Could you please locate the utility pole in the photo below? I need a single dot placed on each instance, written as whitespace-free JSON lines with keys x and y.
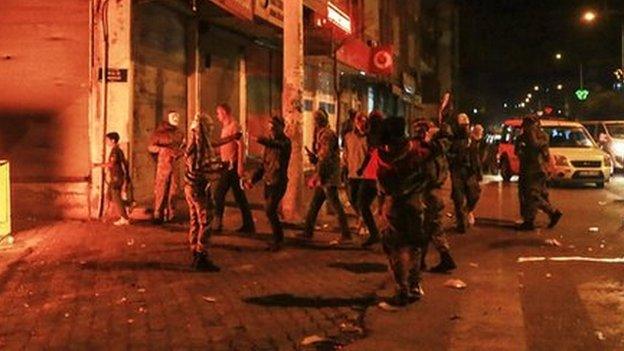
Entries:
{"x":292,"y":104}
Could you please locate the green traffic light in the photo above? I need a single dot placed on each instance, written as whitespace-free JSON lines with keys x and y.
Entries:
{"x":582,"y":94}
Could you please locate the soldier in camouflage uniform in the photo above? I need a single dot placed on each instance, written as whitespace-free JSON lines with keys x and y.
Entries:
{"x":436,"y":142}
{"x":197,"y":157}
{"x":532,"y":149}
{"x":401,"y":178}
{"x":165,"y":144}
{"x":325,"y":156}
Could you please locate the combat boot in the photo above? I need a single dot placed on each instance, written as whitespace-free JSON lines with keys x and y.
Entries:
{"x":416,"y":292}
{"x":402,"y":298}
{"x":446,"y":264}
{"x":201,"y":262}
{"x":526,"y":226}
{"x":554,"y":219}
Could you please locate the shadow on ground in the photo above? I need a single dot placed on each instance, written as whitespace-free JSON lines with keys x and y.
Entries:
{"x":134,"y":266}
{"x":360,"y":267}
{"x":517,"y":242}
{"x":289,"y":300}
{"x":495,"y":222}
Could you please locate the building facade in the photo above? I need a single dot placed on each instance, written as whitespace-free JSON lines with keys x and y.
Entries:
{"x":78,"y":69}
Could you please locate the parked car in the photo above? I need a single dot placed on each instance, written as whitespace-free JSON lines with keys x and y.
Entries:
{"x":577,"y":158}
{"x":610,"y":136}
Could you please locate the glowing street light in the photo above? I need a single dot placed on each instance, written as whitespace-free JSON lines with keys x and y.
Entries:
{"x":536,"y":88}
{"x":559,"y":86}
{"x":558,"y":56}
{"x":527,"y":100}
{"x":589,"y":16}
{"x":522,"y":104}
{"x":529,"y":95}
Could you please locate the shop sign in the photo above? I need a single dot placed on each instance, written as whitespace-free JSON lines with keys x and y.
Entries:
{"x":239,"y":8}
{"x":338,"y":17}
{"x":118,"y":75}
{"x":271,"y":11}
{"x":318,"y":6}
{"x":409,"y":83}
{"x":382,"y":61}
{"x":355,"y":53}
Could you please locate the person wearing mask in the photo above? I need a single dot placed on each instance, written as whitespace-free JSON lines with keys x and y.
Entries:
{"x":165,"y":143}
{"x":197,"y":157}
{"x":232,"y":155}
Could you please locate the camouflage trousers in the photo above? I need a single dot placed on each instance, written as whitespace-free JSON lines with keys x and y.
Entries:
{"x":434,"y":231}
{"x":533,"y":195}
{"x":403,"y":238}
{"x":165,"y":188}
{"x":201,"y":208}
{"x":465,"y":193}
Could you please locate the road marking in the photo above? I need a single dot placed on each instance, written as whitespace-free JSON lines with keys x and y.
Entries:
{"x":570,"y":259}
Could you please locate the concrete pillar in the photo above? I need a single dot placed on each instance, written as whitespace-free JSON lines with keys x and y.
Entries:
{"x":111,"y":101}
{"x":292,"y":104}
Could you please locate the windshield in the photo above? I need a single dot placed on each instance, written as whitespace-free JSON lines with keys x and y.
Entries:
{"x":616,"y":130}
{"x":568,"y":137}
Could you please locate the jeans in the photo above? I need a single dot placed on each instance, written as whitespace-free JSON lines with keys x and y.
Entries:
{"x":229,"y":179}
{"x":273,"y":194}
{"x":329,"y":193}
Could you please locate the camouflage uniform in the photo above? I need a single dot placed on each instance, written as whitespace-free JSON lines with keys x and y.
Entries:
{"x":401,"y":178}
{"x":165,"y":143}
{"x":465,"y":176}
{"x":197,"y":157}
{"x":436,"y":167}
{"x":532,"y":149}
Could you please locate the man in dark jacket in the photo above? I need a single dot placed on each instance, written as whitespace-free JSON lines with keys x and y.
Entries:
{"x":326,"y":179}
{"x":274,"y":173}
{"x":532,"y":149}
{"x":401,"y":177}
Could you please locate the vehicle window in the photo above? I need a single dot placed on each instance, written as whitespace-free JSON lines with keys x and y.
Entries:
{"x":616,"y":130}
{"x":600,"y":128}
{"x":592,"y":129}
{"x":569,"y":137}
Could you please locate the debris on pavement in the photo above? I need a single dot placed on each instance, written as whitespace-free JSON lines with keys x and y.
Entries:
{"x":122,"y":300}
{"x":209,"y":299}
{"x":244,"y":268}
{"x":552,"y":242}
{"x":348,"y":327}
{"x":141,"y":290}
{"x":600,"y":335}
{"x":602,"y":203}
{"x":455,"y":317}
{"x":130,"y":321}
{"x":594,"y":229}
{"x":455,"y":283}
{"x":388,"y":307}
{"x":548,"y":275}
{"x":66,"y":315}
{"x":473,"y":265}
{"x":312,"y":339}
{"x":130,"y":242}
{"x":142,"y":310}
{"x":449,"y":215}
{"x":590,"y":249}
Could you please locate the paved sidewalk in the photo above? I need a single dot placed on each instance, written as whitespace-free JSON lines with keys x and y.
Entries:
{"x":88,"y":285}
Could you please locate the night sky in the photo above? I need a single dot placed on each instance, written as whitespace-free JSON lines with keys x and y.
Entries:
{"x":508,"y":46}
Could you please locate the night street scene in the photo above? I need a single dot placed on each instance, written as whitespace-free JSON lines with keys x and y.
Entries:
{"x":312,"y":175}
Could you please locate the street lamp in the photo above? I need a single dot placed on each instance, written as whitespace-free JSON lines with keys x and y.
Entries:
{"x":529,"y":95}
{"x":589,"y":16}
{"x":536,"y":88}
{"x":558,"y":56}
{"x":559,"y":86}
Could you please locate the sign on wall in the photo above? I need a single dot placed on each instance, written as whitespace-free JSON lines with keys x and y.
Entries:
{"x":118,"y":75}
{"x":239,"y":8}
{"x":271,"y":11}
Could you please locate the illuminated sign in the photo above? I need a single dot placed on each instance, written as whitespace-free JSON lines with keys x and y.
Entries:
{"x":338,"y":17}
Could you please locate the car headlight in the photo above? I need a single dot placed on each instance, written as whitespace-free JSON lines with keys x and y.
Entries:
{"x":561,"y":160}
{"x":618,"y":147}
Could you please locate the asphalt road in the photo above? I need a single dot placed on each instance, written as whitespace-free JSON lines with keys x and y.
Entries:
{"x":507,"y":305}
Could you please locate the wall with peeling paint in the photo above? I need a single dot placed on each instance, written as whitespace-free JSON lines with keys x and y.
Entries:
{"x":160,"y":84}
{"x":44,"y":60}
